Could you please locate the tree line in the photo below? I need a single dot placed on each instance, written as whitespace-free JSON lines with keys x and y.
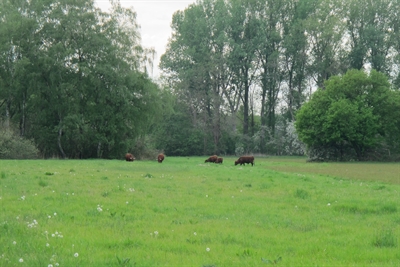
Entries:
{"x":73,"y":78}
{"x":235,"y":78}
{"x":242,"y":69}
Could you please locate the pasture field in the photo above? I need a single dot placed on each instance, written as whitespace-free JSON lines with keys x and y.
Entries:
{"x":184,"y":212}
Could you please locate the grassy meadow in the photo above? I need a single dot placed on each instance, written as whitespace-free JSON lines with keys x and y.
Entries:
{"x":184,"y":212}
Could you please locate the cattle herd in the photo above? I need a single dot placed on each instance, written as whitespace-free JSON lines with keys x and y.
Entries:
{"x":243,"y":160}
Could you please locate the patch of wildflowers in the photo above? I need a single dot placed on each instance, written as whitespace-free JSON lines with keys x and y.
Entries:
{"x":33,"y":224}
{"x":56,"y":234}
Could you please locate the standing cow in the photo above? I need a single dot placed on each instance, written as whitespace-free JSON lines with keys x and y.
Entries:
{"x":129,"y":157}
{"x":219,"y":160}
{"x":211,"y":159}
{"x":160,"y":158}
{"x":245,"y":159}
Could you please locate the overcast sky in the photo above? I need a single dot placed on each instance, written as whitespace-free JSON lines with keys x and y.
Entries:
{"x":154,"y":18}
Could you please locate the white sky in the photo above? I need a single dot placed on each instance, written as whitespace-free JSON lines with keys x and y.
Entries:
{"x":154,"y":18}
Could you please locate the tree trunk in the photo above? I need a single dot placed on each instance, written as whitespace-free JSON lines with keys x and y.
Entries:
{"x":246,"y":104}
{"x":99,"y":150}
{"x":22,"y":122}
{"x":59,"y":143}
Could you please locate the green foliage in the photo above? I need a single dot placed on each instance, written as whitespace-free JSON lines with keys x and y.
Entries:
{"x":350,"y":118}
{"x":13,"y":146}
{"x":74,"y":78}
{"x":73,"y":81}
{"x":223,"y":54}
{"x":176,"y":136}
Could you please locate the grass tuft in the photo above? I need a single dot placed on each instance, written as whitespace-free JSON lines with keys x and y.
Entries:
{"x":3,"y":175}
{"x":266,"y":261}
{"x":385,"y":239}
{"x":124,"y":262}
{"x":389,"y":208}
{"x":353,"y":209}
{"x":43,"y":183}
{"x":300,"y":193}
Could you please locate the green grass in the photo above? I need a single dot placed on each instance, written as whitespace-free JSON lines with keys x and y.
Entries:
{"x":183,"y":212}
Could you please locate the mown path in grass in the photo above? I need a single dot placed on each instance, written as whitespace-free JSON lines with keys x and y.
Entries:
{"x":363,"y":171}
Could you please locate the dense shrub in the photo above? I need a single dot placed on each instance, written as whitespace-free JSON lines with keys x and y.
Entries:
{"x":144,"y":149}
{"x":356,"y":117}
{"x":13,"y":146}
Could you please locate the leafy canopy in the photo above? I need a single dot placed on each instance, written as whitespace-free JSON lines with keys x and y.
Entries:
{"x":350,"y":118}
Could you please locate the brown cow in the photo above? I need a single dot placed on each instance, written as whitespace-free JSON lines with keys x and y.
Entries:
{"x":219,"y":160}
{"x":245,"y":159}
{"x":129,"y":157}
{"x":160,"y":158}
{"x":211,"y":159}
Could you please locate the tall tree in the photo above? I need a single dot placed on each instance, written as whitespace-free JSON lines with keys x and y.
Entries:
{"x":18,"y":43}
{"x":295,"y":57}
{"x":81,"y":89}
{"x":242,"y":33}
{"x":325,"y":32}
{"x":268,"y":51}
{"x":369,"y":24}
{"x":197,"y":61}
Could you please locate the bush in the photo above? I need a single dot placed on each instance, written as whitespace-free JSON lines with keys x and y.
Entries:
{"x":13,"y":146}
{"x":143,"y":149}
{"x":356,"y":117}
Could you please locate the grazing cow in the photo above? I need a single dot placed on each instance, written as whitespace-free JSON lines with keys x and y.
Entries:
{"x":129,"y":157}
{"x":219,"y":160}
{"x":245,"y":159}
{"x":160,"y":158}
{"x":211,"y":159}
